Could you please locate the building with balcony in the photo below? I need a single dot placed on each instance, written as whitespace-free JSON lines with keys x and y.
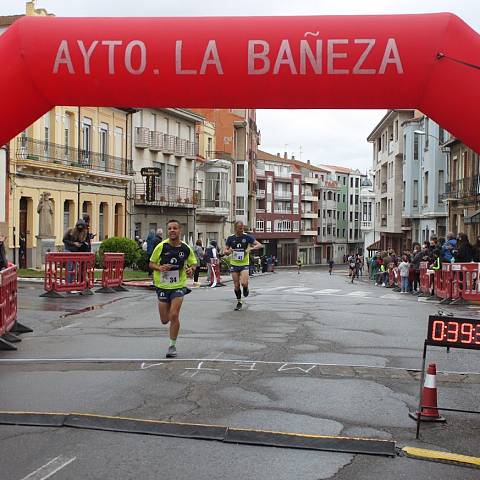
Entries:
{"x":462,"y":191}
{"x":368,"y":233}
{"x":164,"y":139}
{"x":278,"y":207}
{"x":79,"y":155}
{"x":329,"y":198}
{"x":214,"y":211}
{"x":237,"y":134}
{"x":424,"y":209}
{"x":387,"y":141}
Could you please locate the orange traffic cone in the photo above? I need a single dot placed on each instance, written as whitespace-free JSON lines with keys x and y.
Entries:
{"x":428,"y":401}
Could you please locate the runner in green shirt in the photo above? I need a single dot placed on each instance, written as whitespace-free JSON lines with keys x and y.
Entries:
{"x":172,"y":261}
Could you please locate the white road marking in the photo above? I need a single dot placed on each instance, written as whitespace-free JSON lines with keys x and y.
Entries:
{"x":70,"y":326}
{"x":358,"y":294}
{"x":50,"y":468}
{"x":299,"y":289}
{"x":327,"y":291}
{"x":103,"y":315}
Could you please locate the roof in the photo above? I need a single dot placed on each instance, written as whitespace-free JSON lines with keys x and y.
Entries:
{"x":7,"y":20}
{"x":381,"y":124}
{"x":262,"y":155}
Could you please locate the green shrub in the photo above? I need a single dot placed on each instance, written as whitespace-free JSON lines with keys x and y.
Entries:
{"x":143,"y":261}
{"x":132,"y":251}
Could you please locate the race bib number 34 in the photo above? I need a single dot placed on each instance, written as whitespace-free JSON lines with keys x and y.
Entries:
{"x":238,"y":255}
{"x":171,"y":276}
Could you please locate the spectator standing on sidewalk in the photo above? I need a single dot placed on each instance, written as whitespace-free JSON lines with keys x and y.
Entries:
{"x":464,"y":252}
{"x":211,"y":252}
{"x":199,"y":254}
{"x":404,"y":268}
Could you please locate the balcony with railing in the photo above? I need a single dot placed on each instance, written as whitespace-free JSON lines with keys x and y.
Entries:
{"x":162,"y":142}
{"x":366,"y":225}
{"x":463,"y":188}
{"x":260,"y":194}
{"x":218,"y":208}
{"x":31,"y":150}
{"x":167,"y":196}
{"x":286,"y":211}
{"x":282,"y":195}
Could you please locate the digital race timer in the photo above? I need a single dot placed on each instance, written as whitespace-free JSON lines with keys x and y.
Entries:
{"x":453,"y":332}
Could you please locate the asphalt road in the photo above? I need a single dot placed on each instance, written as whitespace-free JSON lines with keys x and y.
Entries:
{"x":310,"y":353}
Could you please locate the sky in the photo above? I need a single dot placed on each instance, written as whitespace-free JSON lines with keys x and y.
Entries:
{"x":335,"y":137}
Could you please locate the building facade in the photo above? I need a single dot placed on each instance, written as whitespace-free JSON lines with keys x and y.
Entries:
{"x":425,"y":174}
{"x":164,"y":139}
{"x":214,"y":214}
{"x":367,"y":223}
{"x":80,"y":157}
{"x":278,"y":207}
{"x":462,"y":191}
{"x":387,"y":141}
{"x":237,"y":137}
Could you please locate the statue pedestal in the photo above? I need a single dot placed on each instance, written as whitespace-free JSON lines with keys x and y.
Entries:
{"x":44,"y":245}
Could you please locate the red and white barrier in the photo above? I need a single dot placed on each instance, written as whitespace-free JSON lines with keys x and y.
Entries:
{"x":112,"y":274}
{"x":68,"y":272}
{"x":8,"y":309}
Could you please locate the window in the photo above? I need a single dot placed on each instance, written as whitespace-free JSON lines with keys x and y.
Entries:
{"x":103,"y":142}
{"x":338,"y":232}
{"x":260,"y":225}
{"x":102,"y":221}
{"x":324,"y":231}
{"x":283,"y":226}
{"x":415,"y":147}
{"x":118,"y":142}
{"x":209,"y":146}
{"x":403,"y":192}
{"x":216,"y":188}
{"x":296,"y":226}
{"x":441,"y":185}
{"x":356,"y":199}
{"x":343,"y":216}
{"x":344,"y":180}
{"x":167,"y":125}
{"x":343,"y":232}
{"x":344,"y":198}
{"x":351,"y":199}
{"x":356,"y":182}
{"x":138,"y":230}
{"x":240,"y":177}
{"x":47,"y":131}
{"x":425,"y":189}
{"x":178,"y":129}
{"x":396,"y":130}
{"x":351,"y":182}
{"x":351,"y":216}
{"x":240,"y":206}
{"x":295,"y":207}
{"x":356,"y":216}
{"x":189,"y":129}
{"x":350,"y":233}
{"x":67,"y":204}
{"x":212,"y":236}
{"x":269,"y":226}
{"x":87,"y":139}
{"x":171,"y":175}
{"x":415,"y":193}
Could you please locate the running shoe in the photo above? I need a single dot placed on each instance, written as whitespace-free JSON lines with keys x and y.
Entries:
{"x":246,"y":291}
{"x":239,"y":306}
{"x":172,"y":352}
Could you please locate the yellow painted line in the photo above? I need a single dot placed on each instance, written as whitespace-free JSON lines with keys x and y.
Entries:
{"x":441,"y":456}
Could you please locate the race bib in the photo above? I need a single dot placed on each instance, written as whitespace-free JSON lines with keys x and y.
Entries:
{"x":238,"y":255}
{"x":171,"y":276}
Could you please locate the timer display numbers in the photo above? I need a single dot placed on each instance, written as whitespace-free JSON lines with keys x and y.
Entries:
{"x":453,"y":332}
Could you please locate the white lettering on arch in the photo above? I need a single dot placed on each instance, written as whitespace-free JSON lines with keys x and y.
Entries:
{"x":211,"y":58}
{"x":391,"y":56}
{"x":143,"y":57}
{"x":315,"y":59}
{"x":357,"y":69}
{"x":63,"y":58}
{"x":262,"y":55}
{"x":284,"y":57}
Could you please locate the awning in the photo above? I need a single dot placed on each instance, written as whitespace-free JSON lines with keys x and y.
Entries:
{"x":374,"y":246}
{"x":474,"y":218}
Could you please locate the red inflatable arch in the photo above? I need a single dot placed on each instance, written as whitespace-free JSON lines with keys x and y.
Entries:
{"x":394,"y":61}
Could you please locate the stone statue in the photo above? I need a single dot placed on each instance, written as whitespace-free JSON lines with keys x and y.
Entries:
{"x":45,"y":212}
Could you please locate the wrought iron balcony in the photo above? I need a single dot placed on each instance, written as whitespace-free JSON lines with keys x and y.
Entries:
{"x":29,"y":149}
{"x":463,"y":188}
{"x":167,"y":196}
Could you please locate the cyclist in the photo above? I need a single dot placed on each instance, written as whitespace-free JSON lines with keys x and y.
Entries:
{"x":239,"y":247}
{"x":171,"y":262}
